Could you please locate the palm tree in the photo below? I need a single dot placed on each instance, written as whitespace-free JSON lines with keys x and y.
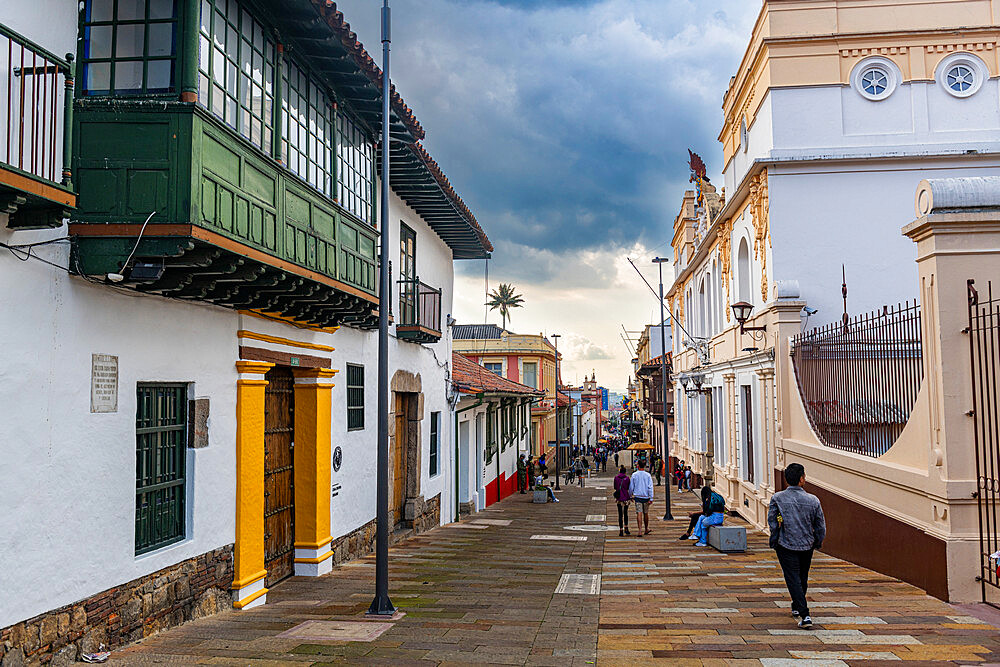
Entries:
{"x":504,"y":298}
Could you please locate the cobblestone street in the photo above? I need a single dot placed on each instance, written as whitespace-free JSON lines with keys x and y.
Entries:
{"x":486,"y":591}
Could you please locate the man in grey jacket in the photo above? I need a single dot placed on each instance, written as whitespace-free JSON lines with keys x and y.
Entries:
{"x":797,"y":528}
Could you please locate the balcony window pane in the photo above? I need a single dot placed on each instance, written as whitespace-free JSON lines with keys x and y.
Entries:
{"x":98,"y":77}
{"x":99,"y":42}
{"x":101,"y":10}
{"x":128,"y":75}
{"x":159,"y":74}
{"x":131,"y":10}
{"x":161,"y":9}
{"x":355,"y":168}
{"x":161,"y":39}
{"x":129,"y":41}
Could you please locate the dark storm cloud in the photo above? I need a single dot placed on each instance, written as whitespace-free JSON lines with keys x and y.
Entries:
{"x":565,"y":124}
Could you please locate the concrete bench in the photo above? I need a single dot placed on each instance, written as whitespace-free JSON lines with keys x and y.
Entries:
{"x":728,"y":539}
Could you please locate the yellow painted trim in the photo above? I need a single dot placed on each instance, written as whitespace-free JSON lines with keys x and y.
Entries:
{"x":248,"y":554}
{"x":329,"y":554}
{"x":243,"y":603}
{"x":313,"y":450}
{"x":287,"y":320}
{"x":282,"y":341}
{"x":260,"y":367}
{"x":313,"y":545}
{"x":246,"y":581}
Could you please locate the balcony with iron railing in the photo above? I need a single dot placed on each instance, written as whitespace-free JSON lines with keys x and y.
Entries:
{"x":36,"y":190}
{"x":419,"y":312}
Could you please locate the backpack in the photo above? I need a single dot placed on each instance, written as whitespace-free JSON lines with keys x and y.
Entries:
{"x":716,"y":503}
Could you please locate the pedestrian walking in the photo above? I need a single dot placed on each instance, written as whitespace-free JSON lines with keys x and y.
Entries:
{"x":522,"y":474}
{"x":622,"y":499}
{"x":616,"y":459}
{"x":641,"y":489}
{"x":658,"y":467}
{"x":529,"y":465}
{"x":798,"y":526}
{"x":687,"y":478}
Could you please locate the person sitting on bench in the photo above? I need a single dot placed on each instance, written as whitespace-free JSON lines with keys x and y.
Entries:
{"x":706,"y":496}
{"x":716,"y":515}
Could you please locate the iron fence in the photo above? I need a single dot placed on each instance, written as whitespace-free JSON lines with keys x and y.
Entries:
{"x":984,"y":339}
{"x":859,"y":379}
{"x":34,"y":121}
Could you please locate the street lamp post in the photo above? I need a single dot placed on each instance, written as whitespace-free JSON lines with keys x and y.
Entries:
{"x":556,"y":338}
{"x":667,"y":516}
{"x":382,"y":605}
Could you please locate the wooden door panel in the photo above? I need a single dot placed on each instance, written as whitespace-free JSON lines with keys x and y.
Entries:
{"x":399,"y":460}
{"x":279,"y":490}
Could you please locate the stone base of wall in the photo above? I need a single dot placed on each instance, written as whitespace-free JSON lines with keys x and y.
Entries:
{"x":361,"y":541}
{"x":191,"y":589}
{"x":466,"y":509}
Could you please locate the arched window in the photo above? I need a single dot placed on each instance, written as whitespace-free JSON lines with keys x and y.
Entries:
{"x":743,"y":272}
{"x":702,"y":310}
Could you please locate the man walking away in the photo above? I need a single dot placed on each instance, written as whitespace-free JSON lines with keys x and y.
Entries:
{"x":641,"y":489}
{"x":622,"y":498}
{"x":798,"y":526}
{"x":522,"y":474}
{"x":658,"y":467}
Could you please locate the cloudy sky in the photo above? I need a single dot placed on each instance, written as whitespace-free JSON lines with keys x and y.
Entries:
{"x":564,"y":125}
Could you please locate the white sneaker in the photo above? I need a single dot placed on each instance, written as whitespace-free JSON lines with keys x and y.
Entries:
{"x":693,"y":537}
{"x":806,"y":623}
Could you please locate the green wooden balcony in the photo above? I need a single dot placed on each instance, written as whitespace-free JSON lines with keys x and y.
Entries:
{"x":229,"y":225}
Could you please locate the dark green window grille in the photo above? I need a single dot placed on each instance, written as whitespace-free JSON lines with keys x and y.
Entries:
{"x":491,"y":435}
{"x":129,"y":47}
{"x":435,"y":442}
{"x":355,"y":397}
{"x":160,"y":444}
{"x":236,"y":70}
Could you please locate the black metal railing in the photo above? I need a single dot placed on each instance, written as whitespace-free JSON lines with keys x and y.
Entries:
{"x":859,"y":379}
{"x":419,"y":307}
{"x":36,"y":118}
{"x":984,"y":341}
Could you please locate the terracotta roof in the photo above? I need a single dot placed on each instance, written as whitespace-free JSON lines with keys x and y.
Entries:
{"x":470,"y":378}
{"x":563,"y":399}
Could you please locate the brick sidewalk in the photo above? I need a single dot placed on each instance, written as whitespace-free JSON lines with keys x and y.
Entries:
{"x":484,"y":591}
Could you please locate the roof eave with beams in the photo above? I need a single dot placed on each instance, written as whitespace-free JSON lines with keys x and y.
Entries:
{"x":317,"y":30}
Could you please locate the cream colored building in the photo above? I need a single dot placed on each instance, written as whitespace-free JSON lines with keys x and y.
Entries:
{"x":838,"y":110}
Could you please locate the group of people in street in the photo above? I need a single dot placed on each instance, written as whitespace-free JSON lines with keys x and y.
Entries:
{"x":795,"y":517}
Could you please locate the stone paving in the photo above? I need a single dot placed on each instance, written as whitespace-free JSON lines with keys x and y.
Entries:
{"x":508,"y":587}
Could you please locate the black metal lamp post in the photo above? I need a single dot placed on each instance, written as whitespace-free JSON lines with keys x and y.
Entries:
{"x":667,"y":516}
{"x":556,"y":338}
{"x":382,"y":605}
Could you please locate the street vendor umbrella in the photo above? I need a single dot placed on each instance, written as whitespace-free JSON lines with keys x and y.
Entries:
{"x":640,"y":446}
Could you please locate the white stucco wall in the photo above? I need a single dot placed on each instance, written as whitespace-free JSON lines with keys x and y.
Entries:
{"x":68,"y":491}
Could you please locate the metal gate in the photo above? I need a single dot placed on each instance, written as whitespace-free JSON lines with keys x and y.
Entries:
{"x":279,"y":490}
{"x":984,"y":338}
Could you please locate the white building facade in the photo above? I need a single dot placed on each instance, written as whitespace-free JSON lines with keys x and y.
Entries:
{"x":173,"y":336}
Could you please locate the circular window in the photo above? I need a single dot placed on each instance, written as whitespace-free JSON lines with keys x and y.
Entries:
{"x":962,"y":74}
{"x":875,"y":81}
{"x":961,"y":78}
{"x":875,"y":78}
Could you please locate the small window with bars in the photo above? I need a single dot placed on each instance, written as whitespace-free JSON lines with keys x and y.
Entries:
{"x":160,"y":451}
{"x":435,"y":466}
{"x":129,"y":46}
{"x":236,"y":70}
{"x":355,"y":397}
{"x":355,"y":168}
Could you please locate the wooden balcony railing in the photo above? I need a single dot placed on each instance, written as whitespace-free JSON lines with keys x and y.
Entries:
{"x":36,"y":117}
{"x":419,"y":312}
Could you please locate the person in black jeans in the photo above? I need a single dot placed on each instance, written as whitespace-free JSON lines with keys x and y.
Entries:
{"x":622,"y":499}
{"x":797,"y":528}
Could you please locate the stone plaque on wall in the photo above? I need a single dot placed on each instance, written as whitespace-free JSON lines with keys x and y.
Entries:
{"x":198,"y":423}
{"x":103,"y":383}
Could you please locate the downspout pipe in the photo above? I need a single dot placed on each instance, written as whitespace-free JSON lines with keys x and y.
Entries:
{"x":479,"y":402}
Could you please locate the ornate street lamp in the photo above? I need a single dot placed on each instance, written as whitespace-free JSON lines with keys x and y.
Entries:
{"x":741,"y":311}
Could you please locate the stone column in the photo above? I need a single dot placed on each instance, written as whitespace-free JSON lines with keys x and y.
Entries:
{"x":248,"y":554}
{"x":313,"y":392}
{"x":787,"y":323}
{"x":958,"y":239}
{"x":732,"y":437}
{"x":766,"y":376}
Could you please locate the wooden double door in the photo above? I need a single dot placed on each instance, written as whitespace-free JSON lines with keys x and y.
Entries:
{"x":403,"y":449}
{"x":279,"y":475}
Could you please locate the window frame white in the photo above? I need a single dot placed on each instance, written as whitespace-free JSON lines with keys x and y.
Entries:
{"x":969,"y":60}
